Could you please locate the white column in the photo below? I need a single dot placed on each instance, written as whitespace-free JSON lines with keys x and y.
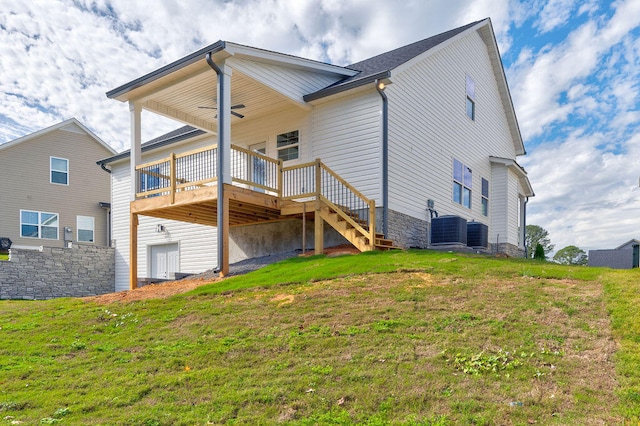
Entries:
{"x":224,"y":121}
{"x":136,"y":141}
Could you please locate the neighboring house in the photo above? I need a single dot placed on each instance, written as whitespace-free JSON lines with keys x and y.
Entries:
{"x":626,"y":256}
{"x":52,"y":192}
{"x":409,"y":142}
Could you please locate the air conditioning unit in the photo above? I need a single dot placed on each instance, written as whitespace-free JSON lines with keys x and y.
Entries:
{"x":477,"y":235}
{"x":448,"y":230}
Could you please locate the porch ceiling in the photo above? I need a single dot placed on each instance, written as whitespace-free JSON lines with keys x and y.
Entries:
{"x":182,"y":93}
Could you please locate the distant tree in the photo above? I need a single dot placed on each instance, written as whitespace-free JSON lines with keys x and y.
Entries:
{"x":538,"y":253}
{"x":571,"y":255}
{"x":537,"y":235}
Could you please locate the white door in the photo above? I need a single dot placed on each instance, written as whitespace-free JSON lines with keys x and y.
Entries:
{"x":165,"y":260}
{"x":258,"y":167}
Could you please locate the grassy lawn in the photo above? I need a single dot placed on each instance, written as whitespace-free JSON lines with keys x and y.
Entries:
{"x":416,"y":338}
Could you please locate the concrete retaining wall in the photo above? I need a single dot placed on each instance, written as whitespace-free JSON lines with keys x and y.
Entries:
{"x":83,"y":270}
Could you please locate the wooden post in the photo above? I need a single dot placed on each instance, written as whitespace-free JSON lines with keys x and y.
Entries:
{"x":372,"y":224}
{"x":133,"y":251}
{"x":319,"y":222}
{"x":280,"y":188}
{"x":172,"y":176}
{"x":224,"y":236}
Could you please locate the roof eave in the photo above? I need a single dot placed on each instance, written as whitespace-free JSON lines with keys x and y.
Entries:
{"x":169,"y":141}
{"x":335,"y":89}
{"x":166,"y":70}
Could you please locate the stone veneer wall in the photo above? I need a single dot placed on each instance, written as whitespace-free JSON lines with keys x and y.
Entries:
{"x":407,"y":231}
{"x":83,"y":270}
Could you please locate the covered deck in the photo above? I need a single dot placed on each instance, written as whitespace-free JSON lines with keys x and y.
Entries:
{"x":184,"y":187}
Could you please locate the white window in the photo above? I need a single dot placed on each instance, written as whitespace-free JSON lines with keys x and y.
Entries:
{"x":288,"y":146}
{"x":38,"y":225}
{"x":462,"y":180}
{"x":59,"y":171}
{"x":86,"y":226}
{"x":485,"y":197}
{"x":471,"y":98}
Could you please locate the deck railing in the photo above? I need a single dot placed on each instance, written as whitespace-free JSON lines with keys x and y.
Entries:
{"x":304,"y":182}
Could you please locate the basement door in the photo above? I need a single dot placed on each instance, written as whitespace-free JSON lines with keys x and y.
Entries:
{"x":164,"y":260}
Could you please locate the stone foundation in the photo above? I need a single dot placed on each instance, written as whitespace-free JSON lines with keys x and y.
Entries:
{"x":83,"y":270}
{"x":405,"y":231}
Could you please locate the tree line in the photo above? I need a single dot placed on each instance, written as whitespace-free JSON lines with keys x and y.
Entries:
{"x":538,"y":246}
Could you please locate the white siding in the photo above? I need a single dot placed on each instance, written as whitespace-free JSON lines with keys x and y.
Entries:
{"x":198,"y":247}
{"x":293,"y":83}
{"x":499,"y":202}
{"x":429,"y":128}
{"x":347,"y":137}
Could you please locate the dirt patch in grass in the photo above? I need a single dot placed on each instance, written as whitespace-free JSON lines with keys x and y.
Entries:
{"x":168,"y":289}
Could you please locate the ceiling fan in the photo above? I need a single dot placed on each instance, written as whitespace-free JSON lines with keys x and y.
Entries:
{"x":238,"y":106}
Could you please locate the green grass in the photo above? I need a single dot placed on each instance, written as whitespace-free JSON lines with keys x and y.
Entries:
{"x":415,"y":338}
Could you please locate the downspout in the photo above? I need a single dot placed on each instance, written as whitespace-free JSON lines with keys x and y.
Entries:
{"x":385,"y":157}
{"x":524,"y":227}
{"x":103,"y":167}
{"x":220,"y":159}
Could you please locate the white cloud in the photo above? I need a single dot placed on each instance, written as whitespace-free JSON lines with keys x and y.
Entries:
{"x":589,"y":197}
{"x":59,"y":57}
{"x":554,"y":14}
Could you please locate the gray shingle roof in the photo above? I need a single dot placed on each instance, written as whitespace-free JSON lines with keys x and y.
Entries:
{"x":177,"y":135}
{"x":381,"y":65}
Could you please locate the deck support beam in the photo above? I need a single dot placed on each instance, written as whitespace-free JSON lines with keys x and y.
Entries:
{"x":133,"y":251}
{"x":223,"y":73}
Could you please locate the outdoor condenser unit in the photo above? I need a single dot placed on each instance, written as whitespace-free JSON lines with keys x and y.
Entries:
{"x":448,"y":230}
{"x":477,"y":235}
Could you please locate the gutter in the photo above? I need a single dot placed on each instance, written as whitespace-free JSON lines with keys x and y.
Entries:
{"x":385,"y":158}
{"x":338,"y":88}
{"x":166,"y":70}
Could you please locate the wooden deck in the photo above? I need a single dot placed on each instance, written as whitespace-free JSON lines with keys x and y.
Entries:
{"x":184,"y":188}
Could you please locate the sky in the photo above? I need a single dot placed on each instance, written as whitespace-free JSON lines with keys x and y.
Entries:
{"x":573,"y":69}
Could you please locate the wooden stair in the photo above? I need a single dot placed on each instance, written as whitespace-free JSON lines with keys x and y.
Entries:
{"x":353,"y":228}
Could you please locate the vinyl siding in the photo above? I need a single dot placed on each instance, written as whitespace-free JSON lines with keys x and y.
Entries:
{"x":291,"y":82}
{"x":347,"y":137}
{"x":25,"y":168}
{"x":197,"y":243}
{"x":429,"y":128}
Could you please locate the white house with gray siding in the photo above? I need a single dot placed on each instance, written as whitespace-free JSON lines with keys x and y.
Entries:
{"x":415,"y":136}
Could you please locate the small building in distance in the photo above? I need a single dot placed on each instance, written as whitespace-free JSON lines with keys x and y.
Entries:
{"x":626,"y":256}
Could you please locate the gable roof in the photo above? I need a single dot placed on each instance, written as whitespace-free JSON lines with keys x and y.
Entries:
{"x":177,"y":135}
{"x":629,"y":243}
{"x":61,"y":125}
{"x":380,"y":66}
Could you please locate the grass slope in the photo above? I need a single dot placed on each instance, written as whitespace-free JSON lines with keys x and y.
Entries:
{"x":417,"y":338}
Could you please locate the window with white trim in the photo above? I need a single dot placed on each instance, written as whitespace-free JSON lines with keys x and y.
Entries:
{"x":86,"y":227}
{"x":471,"y":98}
{"x":288,"y":145}
{"x":485,"y":197}
{"x":462,"y":180}
{"x":38,"y":225}
{"x":59,"y":170}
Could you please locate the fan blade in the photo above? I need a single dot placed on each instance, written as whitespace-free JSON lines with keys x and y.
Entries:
{"x":237,"y":115}
{"x":238,"y":106}
{"x":207,"y":107}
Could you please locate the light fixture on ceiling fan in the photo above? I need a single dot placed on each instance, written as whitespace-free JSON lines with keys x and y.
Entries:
{"x":238,"y":106}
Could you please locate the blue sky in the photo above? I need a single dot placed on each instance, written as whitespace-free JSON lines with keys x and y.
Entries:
{"x":573,"y":68}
